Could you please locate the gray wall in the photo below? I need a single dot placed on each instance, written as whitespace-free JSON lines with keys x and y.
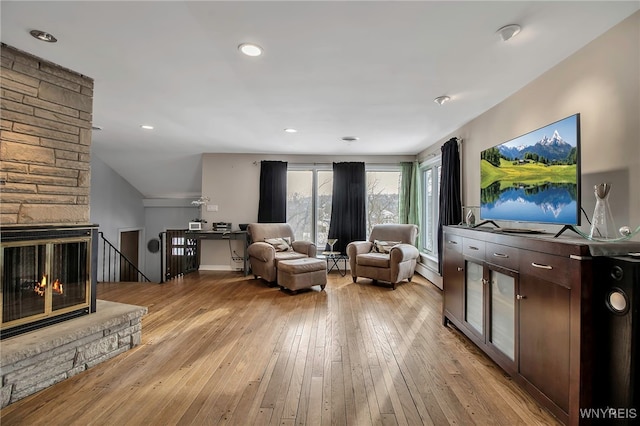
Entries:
{"x":600,"y":82}
{"x":115,"y":205}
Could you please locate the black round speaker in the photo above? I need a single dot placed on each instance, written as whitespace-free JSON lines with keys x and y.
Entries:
{"x":153,"y":245}
{"x":617,"y":301}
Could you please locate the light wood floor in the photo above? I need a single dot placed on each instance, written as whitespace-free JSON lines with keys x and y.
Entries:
{"x":221,"y":349}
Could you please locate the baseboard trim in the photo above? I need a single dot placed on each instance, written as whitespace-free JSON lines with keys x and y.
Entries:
{"x":219,"y":268}
{"x":429,"y":274}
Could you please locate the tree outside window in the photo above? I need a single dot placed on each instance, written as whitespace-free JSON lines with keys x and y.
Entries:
{"x":309,"y":204}
{"x":309,"y":196}
{"x":383,"y":197}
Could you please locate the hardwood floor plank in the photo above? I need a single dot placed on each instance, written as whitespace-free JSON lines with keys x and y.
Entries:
{"x":295,"y":401}
{"x":358,"y":346}
{"x":314,"y":414}
{"x":254,"y":412}
{"x":338,"y":406}
{"x":218,"y":348}
{"x":286,"y":382}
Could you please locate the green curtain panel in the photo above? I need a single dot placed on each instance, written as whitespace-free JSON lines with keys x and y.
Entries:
{"x":410,"y":196}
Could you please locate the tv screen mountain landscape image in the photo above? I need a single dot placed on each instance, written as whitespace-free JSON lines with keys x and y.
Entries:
{"x":534,"y":177}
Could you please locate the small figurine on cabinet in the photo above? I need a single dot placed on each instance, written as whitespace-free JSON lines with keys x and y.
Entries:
{"x":470,"y":218}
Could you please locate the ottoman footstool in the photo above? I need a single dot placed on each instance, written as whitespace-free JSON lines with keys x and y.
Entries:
{"x":302,"y":273}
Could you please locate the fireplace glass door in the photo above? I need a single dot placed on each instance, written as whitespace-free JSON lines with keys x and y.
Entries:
{"x":42,"y":279}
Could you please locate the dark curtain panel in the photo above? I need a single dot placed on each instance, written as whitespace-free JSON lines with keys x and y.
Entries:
{"x":348,"y":204}
{"x":450,"y":203}
{"x":272,"y":207}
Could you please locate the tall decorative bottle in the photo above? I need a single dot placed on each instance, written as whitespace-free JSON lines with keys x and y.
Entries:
{"x":603,"y":226}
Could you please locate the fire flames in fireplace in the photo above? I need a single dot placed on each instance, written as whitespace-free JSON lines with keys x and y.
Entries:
{"x":57,"y":287}
{"x":42,"y":286}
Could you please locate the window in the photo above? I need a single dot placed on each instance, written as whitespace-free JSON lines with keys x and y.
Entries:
{"x":383,"y":195}
{"x":177,"y":246}
{"x":309,"y":190}
{"x":430,"y":205}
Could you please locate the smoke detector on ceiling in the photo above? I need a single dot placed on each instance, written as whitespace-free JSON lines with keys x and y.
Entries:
{"x":441,"y":99}
{"x":43,"y":36}
{"x":508,"y":31}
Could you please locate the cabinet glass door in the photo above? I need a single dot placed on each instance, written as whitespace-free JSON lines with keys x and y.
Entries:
{"x":474,"y":296}
{"x":503,"y":313}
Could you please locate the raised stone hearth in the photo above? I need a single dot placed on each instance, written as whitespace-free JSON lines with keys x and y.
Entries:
{"x":34,"y":361}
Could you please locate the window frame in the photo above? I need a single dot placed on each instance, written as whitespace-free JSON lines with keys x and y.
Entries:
{"x":314,"y":169}
{"x":320,"y":167}
{"x":432,"y":207}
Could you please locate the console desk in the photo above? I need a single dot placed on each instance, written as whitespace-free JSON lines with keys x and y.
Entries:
{"x":227,"y":235}
{"x":527,"y":302}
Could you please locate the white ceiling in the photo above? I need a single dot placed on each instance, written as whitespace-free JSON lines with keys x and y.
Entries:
{"x":330,"y":69}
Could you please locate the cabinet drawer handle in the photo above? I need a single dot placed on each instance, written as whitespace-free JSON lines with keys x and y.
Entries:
{"x":520,"y":297}
{"x":504,"y":256}
{"x":452,"y":242}
{"x":474,"y":248}
{"x":537,"y":265}
{"x":459,"y":269}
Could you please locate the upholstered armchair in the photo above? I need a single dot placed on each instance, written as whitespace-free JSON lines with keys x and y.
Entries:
{"x":271,"y":243}
{"x":389,"y":255}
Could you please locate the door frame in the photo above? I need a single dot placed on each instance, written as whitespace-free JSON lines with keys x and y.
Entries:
{"x":141,"y":245}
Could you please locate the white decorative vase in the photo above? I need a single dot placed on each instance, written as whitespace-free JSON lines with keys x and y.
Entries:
{"x":603,"y":227}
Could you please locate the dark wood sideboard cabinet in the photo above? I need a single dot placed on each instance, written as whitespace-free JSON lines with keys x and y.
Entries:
{"x":526,"y":301}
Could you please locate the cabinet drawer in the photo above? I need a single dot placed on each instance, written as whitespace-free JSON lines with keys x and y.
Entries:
{"x":473,"y":248}
{"x":502,"y":255}
{"x":453,"y":243}
{"x":554,"y":269}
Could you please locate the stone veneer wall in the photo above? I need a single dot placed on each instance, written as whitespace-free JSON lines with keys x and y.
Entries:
{"x":45,"y":141}
{"x":34,"y":361}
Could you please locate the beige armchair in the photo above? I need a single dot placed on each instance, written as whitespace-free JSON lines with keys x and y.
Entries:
{"x":265,"y":252}
{"x":385,"y":262}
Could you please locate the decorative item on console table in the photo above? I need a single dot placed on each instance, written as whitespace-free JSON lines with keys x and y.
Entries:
{"x":603,"y":227}
{"x":602,"y":223}
{"x":196,"y":224}
{"x":470,"y":215}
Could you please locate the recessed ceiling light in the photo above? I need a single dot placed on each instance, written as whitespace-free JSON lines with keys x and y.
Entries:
{"x":349,"y":138}
{"x":43,"y":36}
{"x":441,"y":99}
{"x":508,"y":31}
{"x":289,"y":130}
{"x":147,"y":127}
{"x":250,"y":49}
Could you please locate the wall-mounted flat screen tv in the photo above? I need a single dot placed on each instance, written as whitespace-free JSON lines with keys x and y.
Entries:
{"x":534,"y":177}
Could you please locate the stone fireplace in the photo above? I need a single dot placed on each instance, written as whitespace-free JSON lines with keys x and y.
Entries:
{"x":48,"y":247}
{"x":44,"y":192}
